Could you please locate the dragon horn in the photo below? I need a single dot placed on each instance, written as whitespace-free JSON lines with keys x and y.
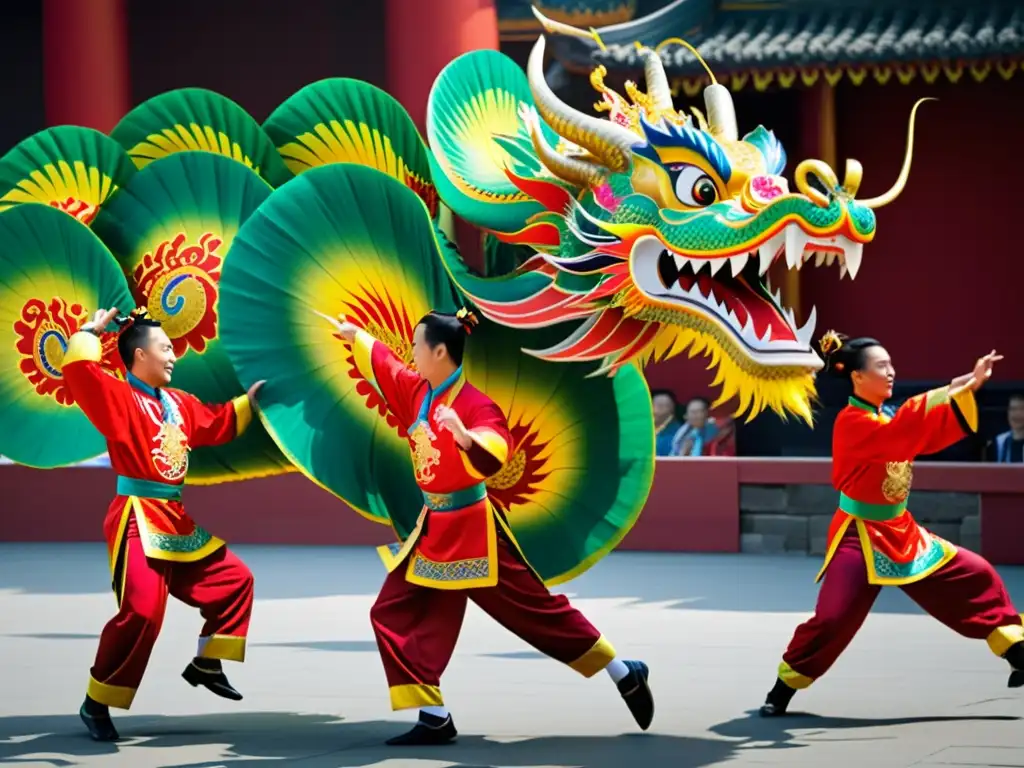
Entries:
{"x":579,"y":172}
{"x":604,"y":139}
{"x":717,"y":99}
{"x":901,"y":181}
{"x":658,"y":89}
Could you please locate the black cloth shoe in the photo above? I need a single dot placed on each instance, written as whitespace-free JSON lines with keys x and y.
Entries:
{"x":96,"y":717}
{"x":637,"y":693}
{"x":208,"y":673}
{"x":1015,"y":656}
{"x":430,"y":731}
{"x":777,"y":701}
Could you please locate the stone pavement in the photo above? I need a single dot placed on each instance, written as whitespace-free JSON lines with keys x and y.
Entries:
{"x":908,"y":693}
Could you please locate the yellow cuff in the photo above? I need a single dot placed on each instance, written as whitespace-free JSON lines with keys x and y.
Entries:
{"x":362,"y":351}
{"x":594,"y":660}
{"x":491,"y":442}
{"x":227,"y":647}
{"x":111,"y":695}
{"x":243,"y":413}
{"x":792,"y":678}
{"x":415,"y":696}
{"x":964,"y":399}
{"x":83,"y":346}
{"x":1003,"y":637}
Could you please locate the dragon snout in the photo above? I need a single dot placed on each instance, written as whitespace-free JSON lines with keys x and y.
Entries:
{"x":828,"y":181}
{"x":854,"y":174}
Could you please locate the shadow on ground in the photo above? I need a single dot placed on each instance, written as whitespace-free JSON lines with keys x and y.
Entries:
{"x":776,"y":732}
{"x":320,"y":741}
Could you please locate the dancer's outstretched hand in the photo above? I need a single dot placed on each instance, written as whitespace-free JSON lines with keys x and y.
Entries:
{"x":345,"y":329}
{"x":254,"y":392}
{"x":101,"y":318}
{"x":983,"y":369}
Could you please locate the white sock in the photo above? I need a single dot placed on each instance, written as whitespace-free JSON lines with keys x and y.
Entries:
{"x":201,"y":645}
{"x":617,"y":670}
{"x":441,"y":712}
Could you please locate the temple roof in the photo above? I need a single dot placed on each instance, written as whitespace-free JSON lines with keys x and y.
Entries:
{"x":801,"y":34}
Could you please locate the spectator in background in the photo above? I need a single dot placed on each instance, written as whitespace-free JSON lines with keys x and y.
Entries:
{"x":699,"y":430}
{"x":1008,"y":447}
{"x":666,"y":421}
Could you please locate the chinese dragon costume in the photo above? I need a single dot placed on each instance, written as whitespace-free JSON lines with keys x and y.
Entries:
{"x":650,"y":232}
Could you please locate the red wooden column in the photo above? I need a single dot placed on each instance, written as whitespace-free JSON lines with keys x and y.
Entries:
{"x":85,"y":62}
{"x":817,"y":140}
{"x":421,"y":39}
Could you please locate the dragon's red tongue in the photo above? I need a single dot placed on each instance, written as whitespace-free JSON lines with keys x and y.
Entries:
{"x":707,"y":286}
{"x":739,"y":297}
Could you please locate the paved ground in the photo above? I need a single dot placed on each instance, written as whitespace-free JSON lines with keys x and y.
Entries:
{"x":908,"y":692}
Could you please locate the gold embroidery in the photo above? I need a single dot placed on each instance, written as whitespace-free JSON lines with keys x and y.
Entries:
{"x":397,"y":343}
{"x":172,"y":452}
{"x":510,"y":474}
{"x":438,"y":500}
{"x":899,"y":478}
{"x":424,"y":455}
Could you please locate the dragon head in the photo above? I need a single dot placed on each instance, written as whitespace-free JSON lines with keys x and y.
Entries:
{"x":659,"y":228}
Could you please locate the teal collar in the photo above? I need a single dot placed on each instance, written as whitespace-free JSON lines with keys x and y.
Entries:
{"x":433,"y":393}
{"x":159,"y":395}
{"x":142,"y":386}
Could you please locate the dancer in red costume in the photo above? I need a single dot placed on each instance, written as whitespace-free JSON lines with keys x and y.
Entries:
{"x":462,"y":548}
{"x":874,"y":540}
{"x":155,"y":548}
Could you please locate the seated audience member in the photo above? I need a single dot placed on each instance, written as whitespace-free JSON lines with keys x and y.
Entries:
{"x":724,"y":443}
{"x":1008,"y":447}
{"x":666,"y":422}
{"x":699,"y":429}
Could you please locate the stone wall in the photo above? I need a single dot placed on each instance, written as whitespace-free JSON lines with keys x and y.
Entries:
{"x":775,"y":519}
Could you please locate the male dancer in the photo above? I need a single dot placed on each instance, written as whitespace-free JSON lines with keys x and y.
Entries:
{"x":155,"y":549}
{"x":874,"y":541}
{"x":462,"y":547}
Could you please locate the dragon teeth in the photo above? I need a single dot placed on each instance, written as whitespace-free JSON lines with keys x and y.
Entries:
{"x":738,"y":263}
{"x":717,"y":264}
{"x":698,"y":264}
{"x":768,"y":250}
{"x":796,"y":241}
{"x":800,"y":249}
{"x":805,"y":333}
{"x":852,"y":253}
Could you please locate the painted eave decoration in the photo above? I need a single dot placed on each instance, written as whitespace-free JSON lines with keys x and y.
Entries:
{"x":783,"y":43}
{"x":516,"y":21}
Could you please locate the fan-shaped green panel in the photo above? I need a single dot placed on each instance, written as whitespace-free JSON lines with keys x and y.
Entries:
{"x":195,"y":119}
{"x":54,"y":273}
{"x":171,"y":229}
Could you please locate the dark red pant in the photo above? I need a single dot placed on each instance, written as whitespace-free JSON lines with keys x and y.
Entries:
{"x":966,"y":594}
{"x":417,"y":627}
{"x":220,"y":586}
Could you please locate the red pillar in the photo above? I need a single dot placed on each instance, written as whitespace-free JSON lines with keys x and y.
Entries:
{"x":421,"y":39}
{"x":85,"y":62}
{"x":817,"y":140}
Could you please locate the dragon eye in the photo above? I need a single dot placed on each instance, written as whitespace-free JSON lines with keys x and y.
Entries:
{"x":694,"y":187}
